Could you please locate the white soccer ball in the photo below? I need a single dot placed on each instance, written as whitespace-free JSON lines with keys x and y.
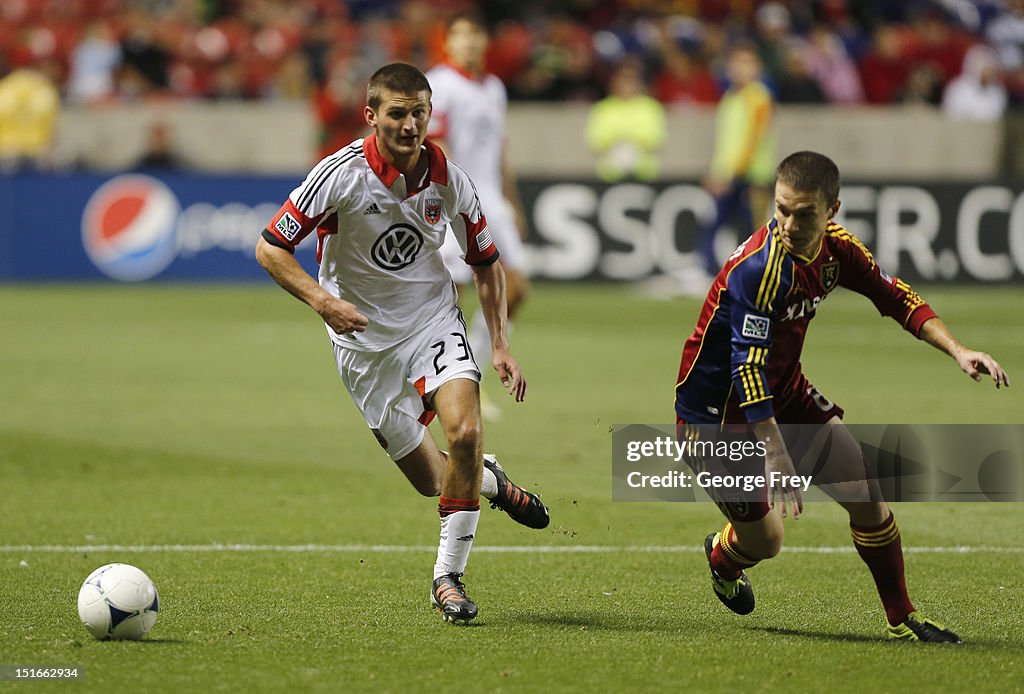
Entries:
{"x":118,"y":601}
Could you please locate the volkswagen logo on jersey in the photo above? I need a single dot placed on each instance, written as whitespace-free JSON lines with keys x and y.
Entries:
{"x":397,"y":247}
{"x":129,"y":227}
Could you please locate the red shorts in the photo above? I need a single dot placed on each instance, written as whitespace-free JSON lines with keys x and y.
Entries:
{"x":802,"y":405}
{"x":805,"y":405}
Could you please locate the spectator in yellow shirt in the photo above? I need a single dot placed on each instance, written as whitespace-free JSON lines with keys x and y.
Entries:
{"x":626,"y":129}
{"x":29,"y":103}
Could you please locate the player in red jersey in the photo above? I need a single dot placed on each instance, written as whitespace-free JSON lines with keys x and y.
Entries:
{"x":741,"y":366}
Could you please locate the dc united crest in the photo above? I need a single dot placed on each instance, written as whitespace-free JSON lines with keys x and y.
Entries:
{"x":397,"y":247}
{"x":432,"y":212}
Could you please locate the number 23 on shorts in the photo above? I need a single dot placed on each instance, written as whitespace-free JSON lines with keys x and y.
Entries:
{"x":453,"y":348}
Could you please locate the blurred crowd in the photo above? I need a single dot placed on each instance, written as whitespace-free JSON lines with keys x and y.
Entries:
{"x":826,"y":51}
{"x":966,"y":56}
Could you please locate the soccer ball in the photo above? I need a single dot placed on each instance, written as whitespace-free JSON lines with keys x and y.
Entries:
{"x":118,"y":601}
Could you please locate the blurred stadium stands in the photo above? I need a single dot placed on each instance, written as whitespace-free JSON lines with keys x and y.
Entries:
{"x":194,"y":63}
{"x":212,"y":95}
{"x":127,"y":50}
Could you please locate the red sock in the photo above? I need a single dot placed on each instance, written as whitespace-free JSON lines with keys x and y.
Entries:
{"x":726,"y":559}
{"x":880,"y":548}
{"x":447,"y":506}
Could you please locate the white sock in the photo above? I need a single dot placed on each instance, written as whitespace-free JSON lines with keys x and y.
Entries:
{"x":457,"y":532}
{"x":489,"y":486}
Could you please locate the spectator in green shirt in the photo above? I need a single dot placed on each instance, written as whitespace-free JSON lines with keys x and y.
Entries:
{"x":626,"y":129}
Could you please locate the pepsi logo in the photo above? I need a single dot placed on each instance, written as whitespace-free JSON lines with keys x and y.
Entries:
{"x":129,"y":227}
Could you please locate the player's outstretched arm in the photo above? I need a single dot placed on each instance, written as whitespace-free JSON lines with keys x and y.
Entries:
{"x":342,"y":316}
{"x":973,"y":363}
{"x":490,"y":288}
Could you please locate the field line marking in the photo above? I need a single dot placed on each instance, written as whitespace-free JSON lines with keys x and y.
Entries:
{"x":485,"y":549}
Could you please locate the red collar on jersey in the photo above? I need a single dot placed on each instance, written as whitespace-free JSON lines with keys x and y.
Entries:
{"x":437,"y":164}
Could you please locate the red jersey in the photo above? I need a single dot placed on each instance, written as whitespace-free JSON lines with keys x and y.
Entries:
{"x":745,"y":349}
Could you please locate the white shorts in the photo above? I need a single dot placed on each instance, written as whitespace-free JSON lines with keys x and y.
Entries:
{"x":501,"y":222}
{"x":392,"y":387}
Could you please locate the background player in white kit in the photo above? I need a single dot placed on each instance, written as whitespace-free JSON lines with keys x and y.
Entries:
{"x":468,"y":122}
{"x":381,"y":207}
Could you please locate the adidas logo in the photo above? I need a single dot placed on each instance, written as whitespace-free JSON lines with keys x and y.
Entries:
{"x":372,"y":209}
{"x":465,"y":538}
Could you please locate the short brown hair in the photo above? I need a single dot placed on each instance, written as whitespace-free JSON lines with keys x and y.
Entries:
{"x":810,"y":172}
{"x":395,"y":77}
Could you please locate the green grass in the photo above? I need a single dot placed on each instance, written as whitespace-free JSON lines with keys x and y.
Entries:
{"x":166,"y":415}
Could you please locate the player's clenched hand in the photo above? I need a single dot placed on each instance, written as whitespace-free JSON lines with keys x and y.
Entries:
{"x":342,"y":316}
{"x":510,"y":374}
{"x":975,"y":364}
{"x":787,"y":494}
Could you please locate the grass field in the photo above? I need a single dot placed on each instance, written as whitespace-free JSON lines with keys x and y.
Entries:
{"x":172,"y":419}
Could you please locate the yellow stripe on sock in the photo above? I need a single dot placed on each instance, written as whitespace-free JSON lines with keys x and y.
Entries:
{"x":876,"y":540}
{"x":874,"y":536}
{"x":874,"y":533}
{"x":885,"y":530}
{"x":730,"y":551}
{"x":880,"y":543}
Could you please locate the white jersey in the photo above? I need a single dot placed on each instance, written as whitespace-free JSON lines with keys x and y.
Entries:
{"x":469,"y":115}
{"x":379,"y":237}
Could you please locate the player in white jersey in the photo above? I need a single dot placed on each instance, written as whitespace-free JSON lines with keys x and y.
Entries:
{"x":469,"y":124}
{"x":381,"y":207}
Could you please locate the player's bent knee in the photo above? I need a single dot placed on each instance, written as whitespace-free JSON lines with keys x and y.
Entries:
{"x":464,"y":436}
{"x":771,"y":546}
{"x":775,"y":534}
{"x":762,"y":539}
{"x":765,"y":546}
